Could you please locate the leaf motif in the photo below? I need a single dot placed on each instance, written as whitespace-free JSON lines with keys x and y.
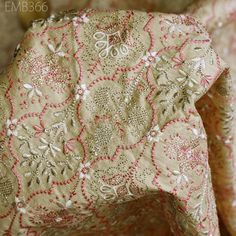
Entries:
{"x":186,"y":178}
{"x":72,"y":122}
{"x":114,"y":52}
{"x":37,"y":180}
{"x":43,"y":171}
{"x":179,"y":179}
{"x":65,"y":128}
{"x":58,"y":47}
{"x":43,"y":147}
{"x":53,"y":172}
{"x":104,"y":53}
{"x":43,"y":140}
{"x":56,"y":148}
{"x":61,"y":54}
{"x":183,"y":73}
{"x":51,"y":47}
{"x":68,"y":203}
{"x":38,"y":92}
{"x":53,"y":152}
{"x":124,"y":49}
{"x":27,"y":174}
{"x":175,"y":94}
{"x":23,"y":163}
{"x":26,"y":155}
{"x":195,"y":131}
{"x":161,"y":101}
{"x":38,"y":128}
{"x":174,"y":109}
{"x":21,"y":138}
{"x":31,"y":93}
{"x":99,"y":35}
{"x":176,"y":172}
{"x":101,"y":44}
{"x":28,"y":86}
{"x":29,"y":183}
{"x":63,"y":170}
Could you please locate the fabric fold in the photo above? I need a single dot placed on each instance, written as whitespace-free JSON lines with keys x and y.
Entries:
{"x":100,"y":133}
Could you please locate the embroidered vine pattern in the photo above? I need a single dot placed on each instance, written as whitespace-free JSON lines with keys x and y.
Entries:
{"x":84,"y":146}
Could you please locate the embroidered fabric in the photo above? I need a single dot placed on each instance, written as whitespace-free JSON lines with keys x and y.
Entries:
{"x":103,"y":126}
{"x":10,"y":22}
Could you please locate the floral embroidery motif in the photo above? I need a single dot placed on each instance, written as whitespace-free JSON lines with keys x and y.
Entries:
{"x":151,"y":58}
{"x":174,"y":27}
{"x":181,"y":179}
{"x":12,"y":127}
{"x":185,"y":80}
{"x":32,"y":91}
{"x":110,"y":44}
{"x":84,"y":170}
{"x":199,"y":64}
{"x":57,"y":50}
{"x":87,"y":150}
{"x":48,"y":148}
{"x":45,"y":71}
{"x":155,"y":134}
{"x":81,"y":92}
{"x":81,"y":19}
{"x":20,"y":205}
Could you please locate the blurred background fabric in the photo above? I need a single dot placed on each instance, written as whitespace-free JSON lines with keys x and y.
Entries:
{"x":10,"y":34}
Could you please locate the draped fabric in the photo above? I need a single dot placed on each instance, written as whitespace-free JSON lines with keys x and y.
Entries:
{"x":121,"y":122}
{"x":10,"y":24}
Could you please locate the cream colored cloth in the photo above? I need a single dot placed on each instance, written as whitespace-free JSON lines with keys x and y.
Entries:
{"x":100,"y":134}
{"x":11,"y":31}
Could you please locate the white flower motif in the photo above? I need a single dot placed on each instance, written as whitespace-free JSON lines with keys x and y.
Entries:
{"x":151,"y":58}
{"x":64,"y":205}
{"x":20,"y":205}
{"x":32,"y":90}
{"x":199,"y":63}
{"x":181,"y":178}
{"x":81,"y":92}
{"x":80,"y":19}
{"x":189,"y":154}
{"x":186,"y":79}
{"x":199,"y":133}
{"x":68,"y":204}
{"x":228,"y":141}
{"x":11,"y":127}
{"x":173,"y":27}
{"x":110,"y":44}
{"x":154,"y":134}
{"x":61,"y":125}
{"x":57,"y":50}
{"x":84,"y":169}
{"x":58,"y":219}
{"x":48,"y":147}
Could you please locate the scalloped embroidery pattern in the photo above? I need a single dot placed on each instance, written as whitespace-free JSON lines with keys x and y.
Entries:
{"x":102,"y":135}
